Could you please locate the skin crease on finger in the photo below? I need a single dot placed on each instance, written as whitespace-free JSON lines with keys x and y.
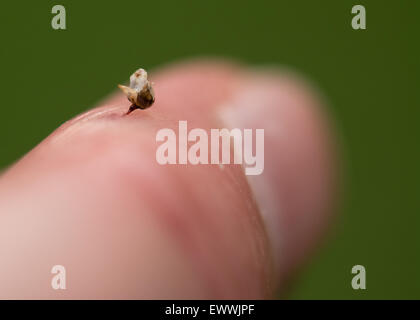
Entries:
{"x":93,"y":198}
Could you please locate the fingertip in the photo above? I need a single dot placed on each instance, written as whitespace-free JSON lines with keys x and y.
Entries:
{"x":296,"y":191}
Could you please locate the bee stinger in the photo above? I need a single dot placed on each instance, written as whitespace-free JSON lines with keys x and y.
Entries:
{"x":140,"y":92}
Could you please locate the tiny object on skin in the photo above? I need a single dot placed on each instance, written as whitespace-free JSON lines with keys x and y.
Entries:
{"x":140,"y":92}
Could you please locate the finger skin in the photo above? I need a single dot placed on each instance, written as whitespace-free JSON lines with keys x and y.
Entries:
{"x":92,"y":197}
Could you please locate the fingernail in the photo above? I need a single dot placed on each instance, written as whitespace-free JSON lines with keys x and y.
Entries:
{"x":293,"y":191}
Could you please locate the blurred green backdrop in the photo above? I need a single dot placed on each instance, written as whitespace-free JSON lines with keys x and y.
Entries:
{"x":370,"y":78}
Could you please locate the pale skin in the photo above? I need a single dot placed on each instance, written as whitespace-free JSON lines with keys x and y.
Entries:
{"x":92,"y":197}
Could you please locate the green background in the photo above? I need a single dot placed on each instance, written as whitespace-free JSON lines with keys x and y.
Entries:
{"x":370,"y":78}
